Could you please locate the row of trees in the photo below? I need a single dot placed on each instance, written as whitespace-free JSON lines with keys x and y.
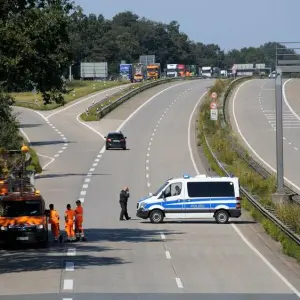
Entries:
{"x":41,"y":38}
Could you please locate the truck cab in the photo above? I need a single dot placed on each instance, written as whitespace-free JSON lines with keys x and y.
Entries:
{"x":23,"y":218}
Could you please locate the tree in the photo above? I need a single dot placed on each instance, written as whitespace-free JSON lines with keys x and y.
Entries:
{"x":35,"y":46}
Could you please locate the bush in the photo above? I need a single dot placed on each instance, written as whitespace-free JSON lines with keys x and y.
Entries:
{"x":221,"y":141}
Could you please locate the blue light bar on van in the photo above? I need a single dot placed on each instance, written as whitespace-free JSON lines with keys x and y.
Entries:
{"x":186,"y":176}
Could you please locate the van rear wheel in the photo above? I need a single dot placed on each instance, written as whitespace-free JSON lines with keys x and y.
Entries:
{"x":156,"y":216}
{"x":222,"y":217}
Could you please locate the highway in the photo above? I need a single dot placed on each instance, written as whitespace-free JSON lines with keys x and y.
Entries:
{"x":123,"y":259}
{"x":252,"y":111}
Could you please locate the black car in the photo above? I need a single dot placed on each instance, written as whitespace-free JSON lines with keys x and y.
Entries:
{"x":115,"y":140}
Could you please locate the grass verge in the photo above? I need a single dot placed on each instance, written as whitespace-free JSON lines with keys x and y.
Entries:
{"x":92,"y":112}
{"x":77,"y":89}
{"x":221,"y":142}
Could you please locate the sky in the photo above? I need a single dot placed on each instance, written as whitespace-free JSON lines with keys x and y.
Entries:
{"x":228,"y":23}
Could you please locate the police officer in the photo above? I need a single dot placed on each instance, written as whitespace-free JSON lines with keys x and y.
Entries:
{"x":124,"y":195}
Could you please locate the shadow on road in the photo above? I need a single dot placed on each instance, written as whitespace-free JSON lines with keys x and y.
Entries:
{"x":97,"y":251}
{"x":29,"y":125}
{"x":48,"y":143}
{"x":48,"y":176}
{"x":199,"y":222}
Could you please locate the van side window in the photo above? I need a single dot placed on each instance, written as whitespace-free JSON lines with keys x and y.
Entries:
{"x":210,"y":189}
{"x":173,"y":189}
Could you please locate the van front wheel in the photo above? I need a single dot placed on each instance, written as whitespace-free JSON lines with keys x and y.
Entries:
{"x":156,"y":216}
{"x":222,"y":217}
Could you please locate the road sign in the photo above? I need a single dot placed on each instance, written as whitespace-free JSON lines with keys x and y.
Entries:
{"x":213,"y":105}
{"x":214,"y":114}
{"x":214,"y":95}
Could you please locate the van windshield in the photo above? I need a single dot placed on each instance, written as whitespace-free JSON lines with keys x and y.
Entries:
{"x":12,"y":209}
{"x":161,"y":188}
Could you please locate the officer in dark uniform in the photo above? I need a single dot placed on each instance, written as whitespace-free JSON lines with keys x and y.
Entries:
{"x":124,"y":195}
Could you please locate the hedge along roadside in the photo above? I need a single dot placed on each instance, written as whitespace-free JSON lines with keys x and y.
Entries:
{"x":218,"y":142}
{"x":107,"y":105}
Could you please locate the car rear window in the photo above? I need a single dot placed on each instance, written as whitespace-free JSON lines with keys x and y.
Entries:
{"x":115,"y":136}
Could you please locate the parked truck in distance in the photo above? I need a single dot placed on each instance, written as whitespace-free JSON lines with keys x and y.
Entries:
{"x":153,"y":71}
{"x":139,"y":72}
{"x":181,"y":70}
{"x":172,"y":70}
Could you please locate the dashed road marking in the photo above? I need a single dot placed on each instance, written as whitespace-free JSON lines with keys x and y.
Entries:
{"x":92,"y":169}
{"x":68,"y":284}
{"x":70,"y":266}
{"x":82,"y":193}
{"x":168,"y":255}
{"x":163,"y":237}
{"x":87,"y":180}
{"x":179,"y":283}
{"x":85,"y":186}
{"x":71,"y":252}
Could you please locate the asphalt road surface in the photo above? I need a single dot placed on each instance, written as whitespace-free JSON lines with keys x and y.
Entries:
{"x":254,"y":118}
{"x":131,"y":259}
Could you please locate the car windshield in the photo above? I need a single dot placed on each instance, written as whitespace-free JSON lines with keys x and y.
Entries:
{"x":20,"y":208}
{"x":115,"y":136}
{"x":161,"y":188}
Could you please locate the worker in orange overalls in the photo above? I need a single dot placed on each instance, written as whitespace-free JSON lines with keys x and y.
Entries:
{"x":78,"y":221}
{"x":69,"y":223}
{"x":54,"y":221}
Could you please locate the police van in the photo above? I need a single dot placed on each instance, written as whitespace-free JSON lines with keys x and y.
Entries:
{"x":198,"y":197}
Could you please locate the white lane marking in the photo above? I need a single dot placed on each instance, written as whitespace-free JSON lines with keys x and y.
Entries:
{"x":147,"y":168}
{"x":87,"y":180}
{"x":247,"y":143}
{"x":71,"y":252}
{"x":92,"y":169}
{"x":147,"y":175}
{"x":295,"y":148}
{"x":148,"y":184}
{"x":70,"y":266}
{"x":290,"y":143}
{"x":147,"y":161}
{"x":56,"y":155}
{"x":85,"y":99}
{"x":85,"y":186}
{"x":82,"y":193}
{"x":168,"y":255}
{"x":67,"y":298}
{"x":53,"y":127}
{"x":149,"y":149}
{"x":81,"y":199}
{"x":286,"y":101}
{"x":99,"y":155}
{"x":88,"y":126}
{"x":65,"y":144}
{"x":179,"y":283}
{"x":60,"y":151}
{"x":189,"y":133}
{"x":89,"y":174}
{"x":148,"y":154}
{"x":102,"y":150}
{"x":163,"y":237}
{"x":68,"y":284}
{"x":263,"y":258}
{"x":95,"y":165}
{"x":97,"y":159}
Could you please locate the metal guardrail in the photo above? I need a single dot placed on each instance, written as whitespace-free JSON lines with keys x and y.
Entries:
{"x":264,"y":211}
{"x":260,"y":169}
{"x":111,"y":106}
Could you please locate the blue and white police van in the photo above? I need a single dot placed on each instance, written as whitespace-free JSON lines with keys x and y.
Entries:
{"x":198,"y":197}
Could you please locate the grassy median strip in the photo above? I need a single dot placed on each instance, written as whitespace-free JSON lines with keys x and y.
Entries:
{"x":77,"y":89}
{"x":221,"y":140}
{"x":92,"y":112}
